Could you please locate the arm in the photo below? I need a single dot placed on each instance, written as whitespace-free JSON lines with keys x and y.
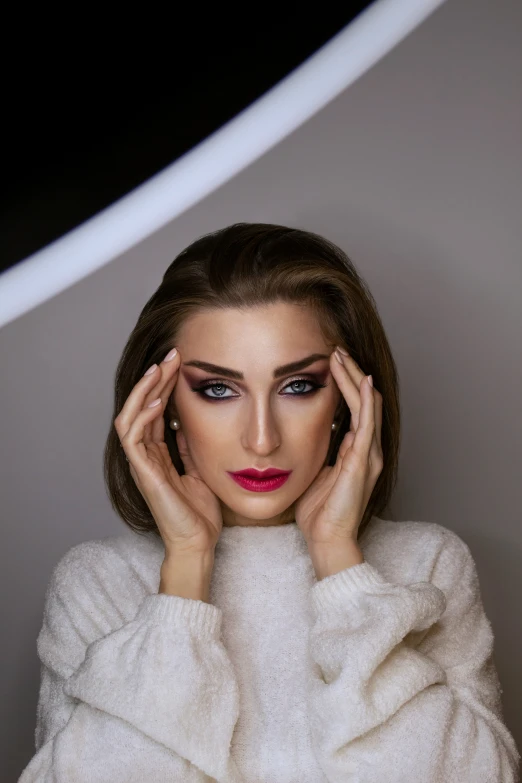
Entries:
{"x":187,"y":577}
{"x":150,"y":698}
{"x":405,"y":687}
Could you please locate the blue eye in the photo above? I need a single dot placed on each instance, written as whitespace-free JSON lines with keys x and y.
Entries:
{"x":219,"y":387}
{"x":310,"y":383}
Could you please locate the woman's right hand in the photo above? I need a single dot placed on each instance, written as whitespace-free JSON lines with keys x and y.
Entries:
{"x":186,"y":511}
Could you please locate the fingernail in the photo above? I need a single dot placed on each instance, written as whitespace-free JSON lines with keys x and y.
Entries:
{"x":154,"y":402}
{"x":151,"y":369}
{"x":342,"y":350}
{"x":370,"y":380}
{"x":170,"y":355}
{"x":338,"y":357}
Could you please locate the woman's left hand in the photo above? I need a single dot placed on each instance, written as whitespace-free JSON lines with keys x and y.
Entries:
{"x":333,"y":506}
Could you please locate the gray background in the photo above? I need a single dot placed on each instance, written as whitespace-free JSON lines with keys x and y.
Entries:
{"x":416,"y":172}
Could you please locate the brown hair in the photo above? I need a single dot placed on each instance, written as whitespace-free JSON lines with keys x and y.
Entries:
{"x":241,"y":266}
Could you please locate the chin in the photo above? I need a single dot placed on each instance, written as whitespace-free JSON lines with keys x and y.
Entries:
{"x":260,"y":507}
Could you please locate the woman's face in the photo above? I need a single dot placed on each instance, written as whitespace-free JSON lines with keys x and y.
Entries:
{"x":256,"y":421}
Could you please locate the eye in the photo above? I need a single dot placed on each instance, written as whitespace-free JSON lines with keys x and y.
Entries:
{"x":305,"y":381}
{"x":219,"y":388}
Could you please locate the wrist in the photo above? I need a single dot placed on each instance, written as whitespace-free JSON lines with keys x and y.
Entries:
{"x":330,"y":559}
{"x":187,"y":575}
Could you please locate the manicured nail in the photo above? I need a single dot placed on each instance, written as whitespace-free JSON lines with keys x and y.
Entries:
{"x":151,"y":369}
{"x":370,"y":380}
{"x":154,"y":402}
{"x":170,"y":355}
{"x":342,"y":350}
{"x":338,"y":357}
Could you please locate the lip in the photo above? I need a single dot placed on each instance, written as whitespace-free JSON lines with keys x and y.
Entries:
{"x":248,"y":479}
{"x":261,"y":474}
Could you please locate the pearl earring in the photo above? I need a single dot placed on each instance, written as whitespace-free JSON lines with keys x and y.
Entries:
{"x":334,"y":426}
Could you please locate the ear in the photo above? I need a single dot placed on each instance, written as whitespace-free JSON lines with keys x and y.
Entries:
{"x":170,"y":413}
{"x":170,"y":409}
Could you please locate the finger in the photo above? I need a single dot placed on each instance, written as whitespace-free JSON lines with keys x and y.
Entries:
{"x":365,"y":431}
{"x":157,"y":427}
{"x":346,"y":444}
{"x":357,"y":375}
{"x":370,"y":456}
{"x":167,"y":376}
{"x":349,"y":438}
{"x":132,"y":441}
{"x":188,"y":463}
{"x":351,"y":367}
{"x":378,"y":419}
{"x":134,"y":402}
{"x":348,"y":388}
{"x":375,"y":457}
{"x":140,"y":396}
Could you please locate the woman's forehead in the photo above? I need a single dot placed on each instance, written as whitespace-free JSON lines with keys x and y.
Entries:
{"x":246,"y":342}
{"x":276,"y":323}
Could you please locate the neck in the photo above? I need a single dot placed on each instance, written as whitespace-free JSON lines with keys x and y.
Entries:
{"x":232,"y":519}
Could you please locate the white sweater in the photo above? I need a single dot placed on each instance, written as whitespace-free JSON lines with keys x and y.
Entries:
{"x":382,"y":673}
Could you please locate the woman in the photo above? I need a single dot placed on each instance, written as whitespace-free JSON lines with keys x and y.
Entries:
{"x":264,"y":629}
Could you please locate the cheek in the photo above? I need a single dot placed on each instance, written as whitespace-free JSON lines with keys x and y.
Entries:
{"x":310,"y":441}
{"x":210,"y":438}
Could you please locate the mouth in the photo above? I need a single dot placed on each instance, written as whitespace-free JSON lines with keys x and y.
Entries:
{"x":260,"y":480}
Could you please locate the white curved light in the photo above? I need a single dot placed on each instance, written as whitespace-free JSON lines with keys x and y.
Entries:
{"x":246,"y":137}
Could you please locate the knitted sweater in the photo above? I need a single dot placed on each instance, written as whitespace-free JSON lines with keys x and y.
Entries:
{"x":381,"y":673}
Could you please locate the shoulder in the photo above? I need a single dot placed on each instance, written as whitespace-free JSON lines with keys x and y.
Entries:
{"x":95,"y":587}
{"x":410,"y":551}
{"x":113,"y":562}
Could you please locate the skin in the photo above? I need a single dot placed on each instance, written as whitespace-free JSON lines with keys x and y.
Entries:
{"x":261,"y":422}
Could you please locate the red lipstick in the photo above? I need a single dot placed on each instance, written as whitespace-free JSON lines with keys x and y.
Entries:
{"x":260,"y":480}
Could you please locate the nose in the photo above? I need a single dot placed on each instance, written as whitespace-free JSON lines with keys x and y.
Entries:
{"x":261,"y":433}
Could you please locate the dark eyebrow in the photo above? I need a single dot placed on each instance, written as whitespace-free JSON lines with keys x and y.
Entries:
{"x":285,"y":369}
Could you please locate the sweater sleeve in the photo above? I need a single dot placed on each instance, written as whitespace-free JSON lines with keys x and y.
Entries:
{"x":405,"y":686}
{"x":122,"y":700}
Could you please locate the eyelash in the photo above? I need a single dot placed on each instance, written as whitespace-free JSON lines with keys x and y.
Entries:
{"x":210,"y":385}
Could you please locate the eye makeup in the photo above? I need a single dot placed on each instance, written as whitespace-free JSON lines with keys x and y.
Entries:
{"x":312,"y":381}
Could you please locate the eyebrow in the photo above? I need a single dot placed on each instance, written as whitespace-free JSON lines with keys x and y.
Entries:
{"x":285,"y":369}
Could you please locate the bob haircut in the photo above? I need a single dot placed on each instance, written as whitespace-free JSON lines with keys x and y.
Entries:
{"x":247,"y":265}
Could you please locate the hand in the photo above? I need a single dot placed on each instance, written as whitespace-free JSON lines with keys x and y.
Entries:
{"x":186,"y":511}
{"x":333,"y":506}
